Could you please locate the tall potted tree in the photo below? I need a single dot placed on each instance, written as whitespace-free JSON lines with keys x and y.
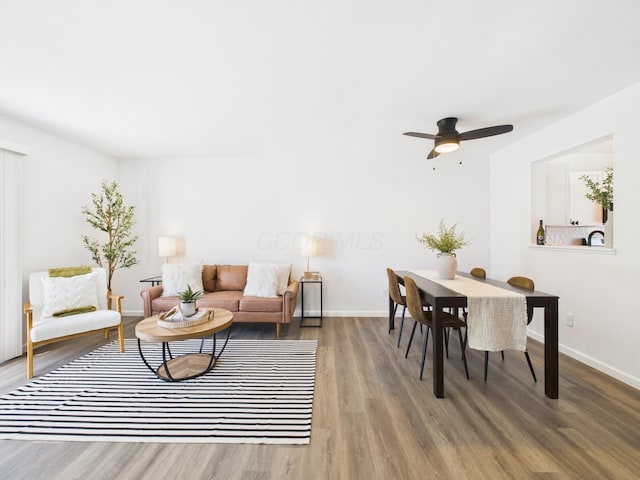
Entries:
{"x":111,"y":216}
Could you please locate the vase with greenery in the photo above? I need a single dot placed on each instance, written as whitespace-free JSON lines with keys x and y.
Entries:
{"x":113,"y":218}
{"x":445,"y":242}
{"x":600,"y":192}
{"x":188,"y":299}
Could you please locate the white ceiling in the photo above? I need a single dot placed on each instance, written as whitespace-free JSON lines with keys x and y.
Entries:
{"x":139,"y":78}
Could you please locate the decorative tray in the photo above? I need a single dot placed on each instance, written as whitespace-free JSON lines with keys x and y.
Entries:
{"x":174,"y":319}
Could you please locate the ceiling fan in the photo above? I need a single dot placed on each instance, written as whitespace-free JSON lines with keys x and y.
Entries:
{"x":448,"y":138}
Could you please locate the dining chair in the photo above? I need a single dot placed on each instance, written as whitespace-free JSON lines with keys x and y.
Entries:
{"x":425,"y":317}
{"x":478,"y":272}
{"x":527,"y":284}
{"x":398,"y":299}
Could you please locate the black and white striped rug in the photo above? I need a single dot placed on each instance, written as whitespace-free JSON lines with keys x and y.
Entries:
{"x":260,"y":391}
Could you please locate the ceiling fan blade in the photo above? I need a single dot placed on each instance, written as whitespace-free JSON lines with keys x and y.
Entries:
{"x":485,"y":132}
{"x":420,"y":135}
{"x":432,"y":154}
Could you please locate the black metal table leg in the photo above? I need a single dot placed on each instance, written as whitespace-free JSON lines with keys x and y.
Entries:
{"x":166,"y":351}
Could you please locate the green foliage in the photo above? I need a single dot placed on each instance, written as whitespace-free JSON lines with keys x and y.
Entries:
{"x":600,"y":192}
{"x":189,"y":296}
{"x":445,"y":241}
{"x":110,"y":216}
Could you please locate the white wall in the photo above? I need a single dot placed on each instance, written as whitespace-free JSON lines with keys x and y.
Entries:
{"x":58,"y":178}
{"x":600,"y":290}
{"x":366,"y":200}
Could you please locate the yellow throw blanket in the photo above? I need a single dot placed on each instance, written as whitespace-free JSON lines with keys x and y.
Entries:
{"x":69,"y":271}
{"x":74,"y":311}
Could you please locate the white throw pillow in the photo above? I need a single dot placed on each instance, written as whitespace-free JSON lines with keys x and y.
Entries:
{"x":284,"y":270}
{"x":262,"y":280}
{"x":177,"y":276}
{"x":62,"y":293}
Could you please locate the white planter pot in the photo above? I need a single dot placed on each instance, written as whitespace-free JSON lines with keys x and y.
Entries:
{"x":447,"y":265}
{"x":187,"y":309}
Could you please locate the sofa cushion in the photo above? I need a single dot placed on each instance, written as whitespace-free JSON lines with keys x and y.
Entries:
{"x":229,"y":300}
{"x":209,"y":278}
{"x":231,"y":277}
{"x":260,"y":304}
{"x":83,"y":322}
{"x":164,"y":304}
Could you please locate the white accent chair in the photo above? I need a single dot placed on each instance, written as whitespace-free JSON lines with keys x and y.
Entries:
{"x":42,"y":331}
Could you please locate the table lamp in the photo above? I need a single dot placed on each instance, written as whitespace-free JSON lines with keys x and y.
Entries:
{"x":309,"y":250}
{"x":167,"y":247}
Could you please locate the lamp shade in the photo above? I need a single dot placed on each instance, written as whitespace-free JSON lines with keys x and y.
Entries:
{"x":166,"y":247}
{"x":309,"y":247}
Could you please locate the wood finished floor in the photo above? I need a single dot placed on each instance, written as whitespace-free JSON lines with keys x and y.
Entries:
{"x":374,"y":419}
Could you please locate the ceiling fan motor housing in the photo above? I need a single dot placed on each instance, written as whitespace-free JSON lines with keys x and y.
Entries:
{"x":447,"y":126}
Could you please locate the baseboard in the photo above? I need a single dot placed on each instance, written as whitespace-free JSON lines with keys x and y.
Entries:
{"x":309,"y":313}
{"x":592,"y":362}
{"x":344,"y":313}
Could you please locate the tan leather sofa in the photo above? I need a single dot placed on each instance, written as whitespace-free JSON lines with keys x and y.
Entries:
{"x":223,"y":288}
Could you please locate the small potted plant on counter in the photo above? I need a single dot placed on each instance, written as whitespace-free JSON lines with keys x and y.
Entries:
{"x":445,"y":243}
{"x":188,"y":301}
{"x":601,"y":192}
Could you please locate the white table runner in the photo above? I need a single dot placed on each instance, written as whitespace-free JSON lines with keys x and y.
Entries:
{"x":497,"y":318}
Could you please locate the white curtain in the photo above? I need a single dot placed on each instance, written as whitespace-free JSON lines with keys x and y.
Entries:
{"x":11,"y":318}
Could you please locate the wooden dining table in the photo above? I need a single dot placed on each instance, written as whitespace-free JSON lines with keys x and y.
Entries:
{"x":440,"y":298}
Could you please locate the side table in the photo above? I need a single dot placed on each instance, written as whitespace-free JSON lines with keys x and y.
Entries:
{"x":152,"y":280}
{"x":303,"y":317}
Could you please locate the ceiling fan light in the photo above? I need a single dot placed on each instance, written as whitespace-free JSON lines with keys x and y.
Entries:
{"x":447,"y":145}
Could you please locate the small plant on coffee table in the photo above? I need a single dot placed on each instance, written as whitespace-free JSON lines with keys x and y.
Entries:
{"x":189,"y":295}
{"x":188,"y":298}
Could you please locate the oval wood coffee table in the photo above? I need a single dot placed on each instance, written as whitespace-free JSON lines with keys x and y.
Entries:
{"x":190,"y":365}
